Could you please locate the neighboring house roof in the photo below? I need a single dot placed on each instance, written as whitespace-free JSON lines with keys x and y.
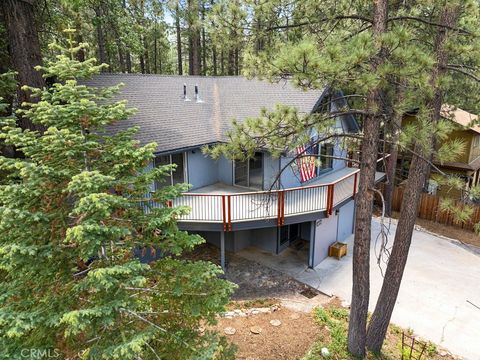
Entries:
{"x":464,"y":119}
{"x":455,"y":165}
{"x":461,"y":117}
{"x":165,"y":118}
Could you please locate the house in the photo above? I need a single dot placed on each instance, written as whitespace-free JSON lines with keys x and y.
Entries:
{"x":466,"y":166}
{"x":230,"y":202}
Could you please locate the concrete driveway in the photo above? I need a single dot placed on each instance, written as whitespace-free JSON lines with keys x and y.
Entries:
{"x":440,"y":281}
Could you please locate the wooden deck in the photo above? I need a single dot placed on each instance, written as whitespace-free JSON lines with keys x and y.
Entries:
{"x":221,"y":203}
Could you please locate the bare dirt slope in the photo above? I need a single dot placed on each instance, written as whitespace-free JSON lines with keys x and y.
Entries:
{"x":289,"y":340}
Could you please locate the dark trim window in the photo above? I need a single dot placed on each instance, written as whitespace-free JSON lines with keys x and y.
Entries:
{"x":176,"y":176}
{"x":476,"y":142}
{"x":326,"y":162}
{"x":249,"y":173}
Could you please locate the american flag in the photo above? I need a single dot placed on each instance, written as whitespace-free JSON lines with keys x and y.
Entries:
{"x":305,"y":163}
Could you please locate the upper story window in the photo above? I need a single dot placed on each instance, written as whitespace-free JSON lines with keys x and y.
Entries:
{"x":249,"y":173}
{"x":176,"y":176}
{"x":326,"y":160}
{"x":476,"y":142}
{"x":316,"y":160}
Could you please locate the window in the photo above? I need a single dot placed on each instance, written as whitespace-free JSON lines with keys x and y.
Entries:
{"x":176,"y":176}
{"x":476,"y":141}
{"x":316,"y":151}
{"x":326,"y":153}
{"x":250,"y":173}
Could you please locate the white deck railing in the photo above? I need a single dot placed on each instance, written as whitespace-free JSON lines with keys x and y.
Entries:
{"x":262,"y":205}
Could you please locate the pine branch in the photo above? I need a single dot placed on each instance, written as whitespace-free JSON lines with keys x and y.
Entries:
{"x":432,"y":23}
{"x":158,"y":292}
{"x":464,"y":72}
{"x":419,"y":156}
{"x":338,"y":17}
{"x":465,"y":66}
{"x":134,"y":314}
{"x":331,"y":115}
{"x":383,"y":235}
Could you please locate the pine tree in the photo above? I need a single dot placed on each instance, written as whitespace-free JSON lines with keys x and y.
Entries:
{"x":380,"y":55}
{"x":24,"y":49}
{"x":449,"y":17}
{"x":71,"y":214}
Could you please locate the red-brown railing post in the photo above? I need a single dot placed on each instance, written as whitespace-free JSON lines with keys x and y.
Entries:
{"x":280,"y":207}
{"x":329,"y":209}
{"x":229,"y":225}
{"x":331,"y":199}
{"x":355,"y":184}
{"x":224,"y":216}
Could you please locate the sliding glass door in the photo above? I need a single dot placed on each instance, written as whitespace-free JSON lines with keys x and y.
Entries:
{"x":241,"y":173}
{"x":250,"y":173}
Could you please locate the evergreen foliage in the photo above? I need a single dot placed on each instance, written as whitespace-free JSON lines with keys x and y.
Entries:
{"x":72,"y":211}
{"x":390,"y":58}
{"x":334,"y":50}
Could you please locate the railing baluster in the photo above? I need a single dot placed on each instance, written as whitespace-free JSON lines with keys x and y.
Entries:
{"x":224,"y":213}
{"x":229,"y":213}
{"x":261,"y":205}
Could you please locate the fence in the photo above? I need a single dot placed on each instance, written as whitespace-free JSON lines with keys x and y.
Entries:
{"x":429,"y":209}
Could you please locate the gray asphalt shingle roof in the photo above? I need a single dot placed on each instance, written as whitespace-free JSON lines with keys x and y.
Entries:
{"x":165,"y":118}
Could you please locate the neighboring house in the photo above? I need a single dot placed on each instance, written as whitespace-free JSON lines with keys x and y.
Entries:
{"x":230,"y":202}
{"x":467,"y":165}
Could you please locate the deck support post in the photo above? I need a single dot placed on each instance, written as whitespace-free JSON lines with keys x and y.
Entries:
{"x":222,"y":250}
{"x":311,"y":248}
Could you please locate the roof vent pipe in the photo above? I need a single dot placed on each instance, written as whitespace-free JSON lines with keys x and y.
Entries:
{"x":197,"y":97}
{"x":185,"y":98}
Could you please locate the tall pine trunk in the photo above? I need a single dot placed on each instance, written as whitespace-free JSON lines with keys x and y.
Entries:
{"x":214,"y":50}
{"x":204,"y":42}
{"x":155,"y":51}
{"x":24,"y":50}
{"x":121,"y":58}
{"x":194,"y":41}
{"x":142,"y":64}
{"x":128,"y":61}
{"x":214,"y":60}
{"x":80,"y":55}
{"x":231,"y":62}
{"x":222,"y":62}
{"x":179,"y":41}
{"x":237,"y":62}
{"x":396,"y":124}
{"x":416,"y":180}
{"x":120,"y":47}
{"x":364,"y":200}
{"x":128,"y":57}
{"x":146,"y":55}
{"x":102,"y":53}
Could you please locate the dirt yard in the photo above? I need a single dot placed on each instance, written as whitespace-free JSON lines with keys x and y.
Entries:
{"x":290,"y":340}
{"x":267,"y":330}
{"x":254,"y":281}
{"x":288,"y":330}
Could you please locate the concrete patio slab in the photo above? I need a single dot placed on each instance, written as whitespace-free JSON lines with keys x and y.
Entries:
{"x":440,"y":284}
